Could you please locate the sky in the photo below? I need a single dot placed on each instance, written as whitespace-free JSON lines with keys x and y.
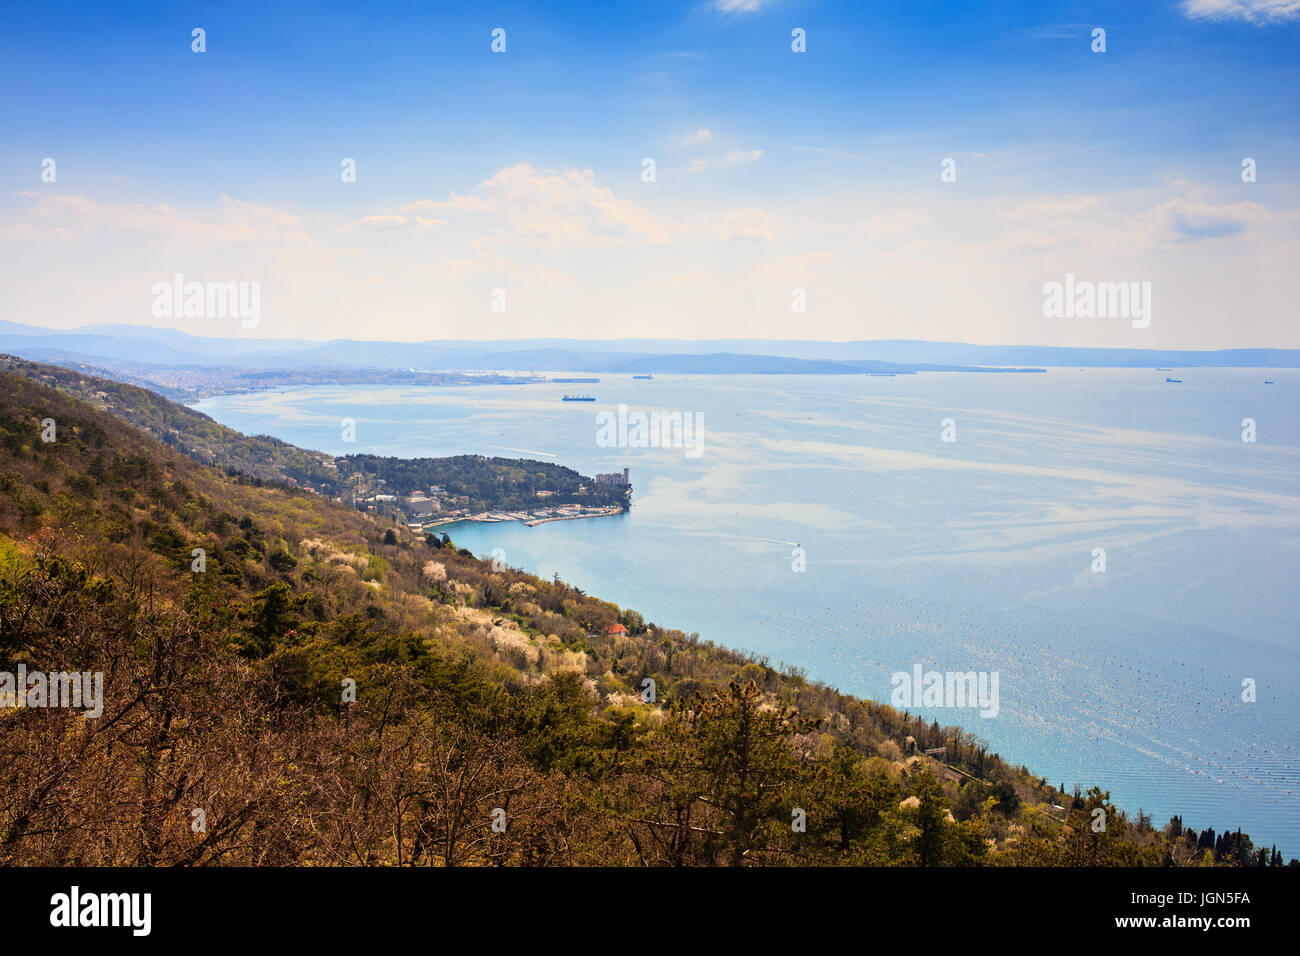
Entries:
{"x":795,"y":195}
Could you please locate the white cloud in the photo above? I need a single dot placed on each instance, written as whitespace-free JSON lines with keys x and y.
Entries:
{"x":733,"y":158}
{"x":698,"y":138}
{"x":1258,"y":12}
{"x":893,"y":223}
{"x":738,"y":6}
{"x":1050,"y":31}
{"x":733,"y":224}
{"x":67,"y":216}
{"x":522,"y":203}
{"x":581,"y":258}
{"x":393,"y":222}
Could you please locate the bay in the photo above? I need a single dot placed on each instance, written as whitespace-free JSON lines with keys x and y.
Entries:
{"x":968,"y":555}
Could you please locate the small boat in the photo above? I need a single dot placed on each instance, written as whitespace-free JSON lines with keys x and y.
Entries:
{"x":1268,"y":381}
{"x":1178,"y":381}
{"x":1164,"y":370}
{"x":579,"y":398}
{"x":648,"y":378}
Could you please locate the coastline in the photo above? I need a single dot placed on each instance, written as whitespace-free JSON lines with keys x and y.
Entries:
{"x":595,"y":514}
{"x":494,"y":517}
{"x":823,"y":642}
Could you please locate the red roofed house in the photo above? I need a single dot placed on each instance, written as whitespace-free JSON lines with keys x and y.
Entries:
{"x":615,"y":630}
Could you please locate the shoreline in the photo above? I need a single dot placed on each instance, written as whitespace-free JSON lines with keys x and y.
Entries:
{"x":486,"y":517}
{"x":599,"y":514}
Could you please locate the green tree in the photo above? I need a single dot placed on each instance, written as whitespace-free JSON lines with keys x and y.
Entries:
{"x":722,"y":778}
{"x":845,"y":802}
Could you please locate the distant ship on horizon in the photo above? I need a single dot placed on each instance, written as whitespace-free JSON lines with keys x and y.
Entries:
{"x":1178,"y":381}
{"x":579,"y":398}
{"x":646,"y":377}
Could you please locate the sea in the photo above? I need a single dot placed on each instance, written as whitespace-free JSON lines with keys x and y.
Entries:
{"x":1119,"y":550}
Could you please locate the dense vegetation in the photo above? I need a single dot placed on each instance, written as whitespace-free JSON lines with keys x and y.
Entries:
{"x":487,"y":483}
{"x":494,"y":720}
{"x":495,"y":483}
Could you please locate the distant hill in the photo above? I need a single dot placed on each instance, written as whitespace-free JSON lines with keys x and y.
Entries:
{"x":484,"y":483}
{"x":144,"y":346}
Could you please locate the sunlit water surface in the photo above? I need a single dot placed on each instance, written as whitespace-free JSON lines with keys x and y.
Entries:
{"x":968,"y":555}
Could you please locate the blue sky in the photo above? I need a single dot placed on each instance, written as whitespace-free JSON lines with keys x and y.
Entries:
{"x":775,"y":170}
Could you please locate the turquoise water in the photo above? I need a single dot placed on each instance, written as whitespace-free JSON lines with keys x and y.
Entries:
{"x":968,"y":555}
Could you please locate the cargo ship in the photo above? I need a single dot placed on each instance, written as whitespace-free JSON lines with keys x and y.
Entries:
{"x":646,"y":377}
{"x":1176,"y":381}
{"x":579,"y":398}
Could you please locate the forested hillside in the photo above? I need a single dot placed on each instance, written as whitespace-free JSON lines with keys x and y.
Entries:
{"x":485,"y":483}
{"x":288,"y":681}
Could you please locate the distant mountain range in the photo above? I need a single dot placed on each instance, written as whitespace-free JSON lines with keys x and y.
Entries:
{"x":142,"y":346}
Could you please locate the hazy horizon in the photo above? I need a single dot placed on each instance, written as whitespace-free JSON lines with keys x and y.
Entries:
{"x":115,"y":327}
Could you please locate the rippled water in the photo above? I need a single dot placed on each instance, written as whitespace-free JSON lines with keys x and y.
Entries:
{"x":970,"y":555}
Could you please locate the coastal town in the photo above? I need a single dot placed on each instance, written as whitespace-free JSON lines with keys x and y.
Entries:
{"x":423,"y":510}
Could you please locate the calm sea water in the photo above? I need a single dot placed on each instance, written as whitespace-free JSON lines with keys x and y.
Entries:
{"x":969,"y":555}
